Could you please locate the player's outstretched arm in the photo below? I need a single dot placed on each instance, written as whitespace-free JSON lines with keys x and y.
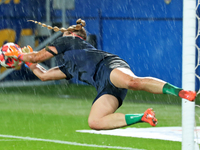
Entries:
{"x":40,"y":56}
{"x":46,"y":75}
{"x":33,"y":57}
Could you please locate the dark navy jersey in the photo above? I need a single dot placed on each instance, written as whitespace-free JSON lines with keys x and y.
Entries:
{"x":80,"y":59}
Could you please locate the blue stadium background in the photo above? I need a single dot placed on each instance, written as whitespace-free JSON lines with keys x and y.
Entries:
{"x":147,"y":34}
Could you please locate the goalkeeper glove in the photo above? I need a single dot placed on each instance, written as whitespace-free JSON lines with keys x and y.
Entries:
{"x":14,"y":53}
{"x":27,"y":49}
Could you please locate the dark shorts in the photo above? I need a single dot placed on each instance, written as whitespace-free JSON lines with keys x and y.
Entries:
{"x":103,"y":84}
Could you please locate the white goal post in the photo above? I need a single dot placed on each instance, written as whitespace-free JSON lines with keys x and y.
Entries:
{"x":188,"y":73}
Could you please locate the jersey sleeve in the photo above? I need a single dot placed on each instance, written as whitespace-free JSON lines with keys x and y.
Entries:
{"x":64,"y":70}
{"x":62,"y":44}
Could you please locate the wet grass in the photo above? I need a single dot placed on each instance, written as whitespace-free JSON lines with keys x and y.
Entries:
{"x":56,"y":111}
{"x":89,"y":92}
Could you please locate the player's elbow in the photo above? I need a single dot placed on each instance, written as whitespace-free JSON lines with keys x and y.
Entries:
{"x":43,"y":77}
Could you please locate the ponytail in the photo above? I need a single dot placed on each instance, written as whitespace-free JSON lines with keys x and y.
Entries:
{"x":79,"y":28}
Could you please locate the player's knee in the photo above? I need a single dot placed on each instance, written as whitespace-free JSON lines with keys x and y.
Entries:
{"x":94,"y":124}
{"x":135,"y":84}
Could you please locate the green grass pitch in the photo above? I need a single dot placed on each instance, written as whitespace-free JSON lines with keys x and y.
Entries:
{"x":55,"y":112}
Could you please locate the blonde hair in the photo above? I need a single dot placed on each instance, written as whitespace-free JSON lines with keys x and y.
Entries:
{"x":78,"y":29}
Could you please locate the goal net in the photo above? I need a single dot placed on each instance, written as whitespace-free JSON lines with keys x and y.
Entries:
{"x":197,"y":38}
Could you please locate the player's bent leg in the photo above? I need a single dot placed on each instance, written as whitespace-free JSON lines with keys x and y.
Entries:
{"x":102,"y":116}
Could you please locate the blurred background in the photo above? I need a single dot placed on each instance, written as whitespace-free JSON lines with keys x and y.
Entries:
{"x":148,"y":35}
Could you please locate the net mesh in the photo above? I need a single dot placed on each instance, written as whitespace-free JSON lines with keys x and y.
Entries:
{"x":197,"y":68}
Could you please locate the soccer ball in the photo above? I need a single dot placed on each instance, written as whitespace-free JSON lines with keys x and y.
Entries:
{"x":9,"y":62}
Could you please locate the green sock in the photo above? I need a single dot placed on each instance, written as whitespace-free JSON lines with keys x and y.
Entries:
{"x":171,"y":89}
{"x":133,"y":118}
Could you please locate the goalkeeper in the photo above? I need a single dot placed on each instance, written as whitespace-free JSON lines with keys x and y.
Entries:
{"x":108,"y":73}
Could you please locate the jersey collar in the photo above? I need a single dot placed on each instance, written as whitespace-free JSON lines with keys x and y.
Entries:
{"x":73,"y":34}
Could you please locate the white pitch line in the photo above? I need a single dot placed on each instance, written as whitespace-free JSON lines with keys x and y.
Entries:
{"x":2,"y":140}
{"x":67,"y":142}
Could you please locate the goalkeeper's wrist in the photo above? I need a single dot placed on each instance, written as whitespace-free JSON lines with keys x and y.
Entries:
{"x":28,"y":64}
{"x":20,"y":57}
